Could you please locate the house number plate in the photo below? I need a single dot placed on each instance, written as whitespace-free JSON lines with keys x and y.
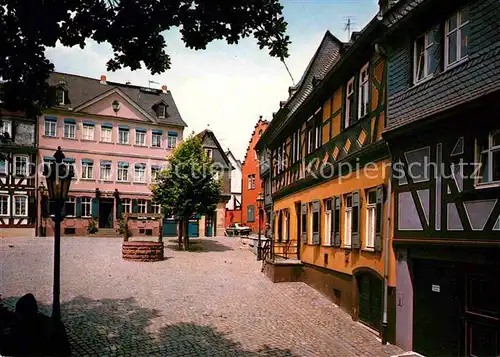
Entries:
{"x":436,"y":288}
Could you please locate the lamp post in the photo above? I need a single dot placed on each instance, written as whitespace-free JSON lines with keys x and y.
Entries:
{"x":260,"y":202}
{"x":42,"y":199}
{"x":58,"y":178}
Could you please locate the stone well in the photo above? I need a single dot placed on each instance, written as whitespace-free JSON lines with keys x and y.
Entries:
{"x":142,"y":251}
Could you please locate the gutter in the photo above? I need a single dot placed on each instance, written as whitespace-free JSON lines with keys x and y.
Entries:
{"x":386,"y":255}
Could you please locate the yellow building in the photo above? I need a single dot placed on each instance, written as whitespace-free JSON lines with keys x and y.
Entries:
{"x":329,"y":178}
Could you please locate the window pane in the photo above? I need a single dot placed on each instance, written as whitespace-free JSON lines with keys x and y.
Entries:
{"x":464,"y":15}
{"x":420,"y":59}
{"x":452,"y":47}
{"x":452,"y":23}
{"x":316,"y":222}
{"x":496,"y":139}
{"x":464,"y":40}
{"x":484,"y":172}
{"x":496,"y":165}
{"x":431,"y":60}
{"x":372,"y":197}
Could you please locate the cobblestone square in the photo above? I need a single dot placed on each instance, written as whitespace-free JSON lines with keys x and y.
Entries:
{"x":213,"y":301}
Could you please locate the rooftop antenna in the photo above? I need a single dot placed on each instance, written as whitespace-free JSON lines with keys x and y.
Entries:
{"x":150,"y":81}
{"x":289,"y":73}
{"x":349,"y":25}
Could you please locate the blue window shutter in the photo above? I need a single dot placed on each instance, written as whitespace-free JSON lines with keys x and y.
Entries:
{"x":356,"y":217}
{"x":134,"y":206}
{"x":95,"y":207}
{"x":150,"y":206}
{"x":78,"y":207}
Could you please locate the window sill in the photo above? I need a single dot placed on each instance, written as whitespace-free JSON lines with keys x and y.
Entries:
{"x":87,"y":179}
{"x":106,"y":142}
{"x":65,"y":138}
{"x":123,"y":144}
{"x":422,"y":81}
{"x":105,"y":181}
{"x":456,"y":64}
{"x":88,"y":140}
{"x":140,"y":183}
{"x":140,"y":146}
{"x":50,"y":137}
{"x":123,"y":182}
{"x":484,"y":186}
{"x":155,"y":147}
{"x":368,"y":249}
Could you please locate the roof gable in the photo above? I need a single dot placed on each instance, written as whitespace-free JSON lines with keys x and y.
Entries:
{"x":103,"y":105}
{"x":208,"y":140}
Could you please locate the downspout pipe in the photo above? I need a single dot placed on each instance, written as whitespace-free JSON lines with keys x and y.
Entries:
{"x":386,"y":255}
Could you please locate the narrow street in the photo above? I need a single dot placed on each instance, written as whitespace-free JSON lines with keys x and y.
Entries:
{"x":213,"y":301}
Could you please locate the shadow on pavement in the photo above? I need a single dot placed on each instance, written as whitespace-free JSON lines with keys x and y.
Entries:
{"x":199,"y":245}
{"x":116,"y":327}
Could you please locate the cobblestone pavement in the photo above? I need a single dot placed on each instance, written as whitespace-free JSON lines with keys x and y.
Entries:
{"x":210,"y":302}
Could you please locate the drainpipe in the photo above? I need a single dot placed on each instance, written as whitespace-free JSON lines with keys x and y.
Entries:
{"x":386,"y":257}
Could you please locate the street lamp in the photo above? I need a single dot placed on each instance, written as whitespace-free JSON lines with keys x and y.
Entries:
{"x":42,"y":190}
{"x":260,"y":203}
{"x":58,"y":177}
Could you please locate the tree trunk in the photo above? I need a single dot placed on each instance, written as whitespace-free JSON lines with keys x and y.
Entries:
{"x":186,"y":234}
{"x":180,"y":229}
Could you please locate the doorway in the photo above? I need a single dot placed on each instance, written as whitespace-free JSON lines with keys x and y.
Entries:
{"x":370,"y":300}
{"x":209,"y":225}
{"x":106,"y":213}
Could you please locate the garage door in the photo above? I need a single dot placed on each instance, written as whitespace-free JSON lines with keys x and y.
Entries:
{"x":370,"y":300}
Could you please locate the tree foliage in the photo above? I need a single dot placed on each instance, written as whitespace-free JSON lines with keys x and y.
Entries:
{"x":133,"y":28}
{"x":188,"y":185}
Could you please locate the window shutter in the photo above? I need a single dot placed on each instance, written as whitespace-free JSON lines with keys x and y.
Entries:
{"x":336,"y":221}
{"x":95,"y":207}
{"x":150,"y":206}
{"x":379,"y":218}
{"x":119,"y":208}
{"x":315,"y":209}
{"x":287,"y":225}
{"x":31,"y":209}
{"x":355,"y":241}
{"x":78,"y":207}
{"x":134,"y":206}
{"x":304,"y":229}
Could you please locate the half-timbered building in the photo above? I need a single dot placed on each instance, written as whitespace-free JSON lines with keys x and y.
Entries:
{"x":443,"y":129}
{"x":17,"y":175}
{"x":329,"y":183}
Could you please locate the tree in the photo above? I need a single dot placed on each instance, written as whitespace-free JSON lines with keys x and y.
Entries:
{"x":188,"y":186}
{"x":133,"y":28}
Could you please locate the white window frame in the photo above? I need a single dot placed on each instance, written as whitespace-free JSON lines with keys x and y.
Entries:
{"x":416,"y":57}
{"x":447,"y":35}
{"x":105,"y":168}
{"x":172,"y":142}
{"x":140,"y":174}
{"x":328,"y":222}
{"x":63,"y":97}
{"x":209,"y":153}
{"x":162,"y":112}
{"x":86,"y":202}
{"x":72,"y":200}
{"x":489,"y":151}
{"x":70,"y":129}
{"x":317,"y":142}
{"x":7,"y":206}
{"x":140,"y":135}
{"x":371,"y":220}
{"x":156,"y":207}
{"x":87,"y":171}
{"x":48,"y":126}
{"x":155,"y":136}
{"x":122,"y":172}
{"x":127,"y":205}
{"x":88,"y":132}
{"x":142,"y":206}
{"x":26,"y":170}
{"x":349,"y":93}
{"x":25,"y":198}
{"x":6,"y":127}
{"x":297,"y":151}
{"x":347,"y":222}
{"x":123,"y":134}
{"x":108,"y":138}
{"x":364,"y":91}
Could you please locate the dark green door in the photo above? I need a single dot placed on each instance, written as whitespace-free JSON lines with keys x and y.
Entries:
{"x":169,"y":227}
{"x":193,"y":228}
{"x":370,"y":300}
{"x":106,"y":213}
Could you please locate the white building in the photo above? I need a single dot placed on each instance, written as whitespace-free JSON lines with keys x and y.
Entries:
{"x":235,"y":201}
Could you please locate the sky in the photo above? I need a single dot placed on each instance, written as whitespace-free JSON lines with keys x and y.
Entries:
{"x":226,"y":87}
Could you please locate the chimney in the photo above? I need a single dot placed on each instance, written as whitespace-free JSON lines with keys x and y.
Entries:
{"x":103,"y":79}
{"x":164,"y":89}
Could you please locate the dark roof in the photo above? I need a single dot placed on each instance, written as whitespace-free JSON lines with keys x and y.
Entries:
{"x":83,"y":89}
{"x":321,"y":63}
{"x":209,"y":132}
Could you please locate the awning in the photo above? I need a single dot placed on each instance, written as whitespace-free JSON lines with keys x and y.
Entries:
{"x":69,"y":121}
{"x":68,"y":159}
{"x":173,"y":133}
{"x":49,"y":158}
{"x":105,"y":163}
{"x":106,"y":125}
{"x":50,"y":118}
{"x":90,"y":123}
{"x":140,"y":165}
{"x":140,"y":130}
{"x":123,"y":127}
{"x":122,"y":164}
{"x":157,"y":132}
{"x":87,"y":161}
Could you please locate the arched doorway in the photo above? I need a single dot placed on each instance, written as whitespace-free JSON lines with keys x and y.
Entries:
{"x":370,"y":299}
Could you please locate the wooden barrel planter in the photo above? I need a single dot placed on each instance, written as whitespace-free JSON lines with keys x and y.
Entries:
{"x":142,"y":251}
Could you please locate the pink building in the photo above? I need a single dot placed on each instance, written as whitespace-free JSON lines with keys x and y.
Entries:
{"x":118,"y":137}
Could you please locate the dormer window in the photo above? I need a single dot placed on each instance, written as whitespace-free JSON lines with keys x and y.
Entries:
{"x":60,"y":96}
{"x":161,"y":110}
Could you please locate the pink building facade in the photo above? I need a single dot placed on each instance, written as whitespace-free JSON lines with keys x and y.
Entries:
{"x":117,"y":137}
